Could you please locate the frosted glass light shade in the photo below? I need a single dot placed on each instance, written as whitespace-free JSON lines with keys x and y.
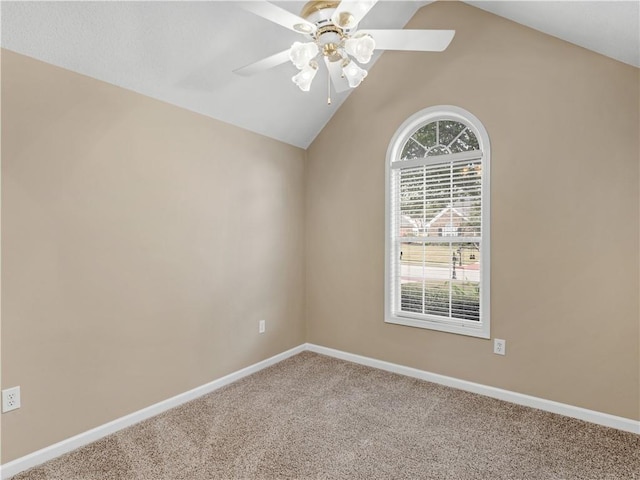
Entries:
{"x":301,"y":53}
{"x":354,"y":74}
{"x":360,"y":47}
{"x":304,"y":78}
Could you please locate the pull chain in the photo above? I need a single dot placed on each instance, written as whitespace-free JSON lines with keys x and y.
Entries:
{"x":328,"y":88}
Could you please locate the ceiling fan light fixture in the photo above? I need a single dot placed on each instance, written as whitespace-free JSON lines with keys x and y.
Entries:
{"x":354,"y":74}
{"x":332,"y":27}
{"x":302,"y":53}
{"x":305,"y":76}
{"x":360,"y":47}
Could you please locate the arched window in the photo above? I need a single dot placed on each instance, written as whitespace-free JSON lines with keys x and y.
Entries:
{"x":437,"y":181}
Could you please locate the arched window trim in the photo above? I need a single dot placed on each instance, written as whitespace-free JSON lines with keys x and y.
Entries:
{"x":401,"y":136}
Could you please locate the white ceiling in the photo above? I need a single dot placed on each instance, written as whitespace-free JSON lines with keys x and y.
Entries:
{"x":611,"y":28}
{"x":184,"y":52}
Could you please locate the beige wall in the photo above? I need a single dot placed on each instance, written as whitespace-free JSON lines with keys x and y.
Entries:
{"x":563,"y":124}
{"x":141,"y":244}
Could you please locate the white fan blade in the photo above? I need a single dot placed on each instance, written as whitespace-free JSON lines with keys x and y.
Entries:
{"x":280,"y":16}
{"x":350,"y":12}
{"x":340,"y":84}
{"x":264,"y":64}
{"x":417,"y":40}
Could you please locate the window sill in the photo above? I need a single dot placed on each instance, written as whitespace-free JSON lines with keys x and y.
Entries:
{"x":478,"y":331}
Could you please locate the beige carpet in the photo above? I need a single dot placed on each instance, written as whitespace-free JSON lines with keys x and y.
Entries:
{"x":316,"y":417}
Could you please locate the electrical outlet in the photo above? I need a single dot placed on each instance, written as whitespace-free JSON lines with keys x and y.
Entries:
{"x":499,"y":346}
{"x":10,"y":399}
{"x":262,"y":326}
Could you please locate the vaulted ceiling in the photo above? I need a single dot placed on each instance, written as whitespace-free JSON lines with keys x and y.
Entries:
{"x":184,"y":52}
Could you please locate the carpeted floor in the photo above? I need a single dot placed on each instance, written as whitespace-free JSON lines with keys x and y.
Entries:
{"x":315,"y":417}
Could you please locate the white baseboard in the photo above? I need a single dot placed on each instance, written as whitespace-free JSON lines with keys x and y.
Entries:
{"x":48,"y":453}
{"x":592,"y":416}
{"x":36,"y":458}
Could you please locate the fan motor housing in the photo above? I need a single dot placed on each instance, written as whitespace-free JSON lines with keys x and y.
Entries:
{"x":319,"y":10}
{"x":329,"y":35}
{"x":320,"y":13}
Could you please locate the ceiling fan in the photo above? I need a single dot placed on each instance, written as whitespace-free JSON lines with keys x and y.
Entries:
{"x":331,"y":28}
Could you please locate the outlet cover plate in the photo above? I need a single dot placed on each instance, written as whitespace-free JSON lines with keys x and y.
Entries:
{"x":499,"y":346}
{"x":10,"y":399}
